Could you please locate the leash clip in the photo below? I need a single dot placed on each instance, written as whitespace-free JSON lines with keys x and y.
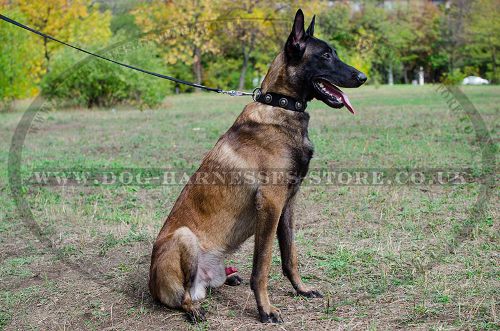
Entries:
{"x":234,"y":93}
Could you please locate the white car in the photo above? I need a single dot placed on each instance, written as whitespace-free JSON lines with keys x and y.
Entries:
{"x":474,"y":80}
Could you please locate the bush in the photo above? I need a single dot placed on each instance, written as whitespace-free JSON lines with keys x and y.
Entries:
{"x":89,"y":81}
{"x":453,"y":78}
{"x":224,"y":73}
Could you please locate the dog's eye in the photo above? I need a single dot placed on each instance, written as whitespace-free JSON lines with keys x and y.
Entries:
{"x":327,"y":55}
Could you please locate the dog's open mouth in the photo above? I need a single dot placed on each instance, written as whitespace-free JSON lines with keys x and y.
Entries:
{"x":331,"y":94}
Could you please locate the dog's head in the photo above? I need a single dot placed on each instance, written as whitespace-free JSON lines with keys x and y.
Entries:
{"x":317,"y":68}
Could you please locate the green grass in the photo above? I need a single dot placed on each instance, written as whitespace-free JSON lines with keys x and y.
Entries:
{"x":386,"y":257}
{"x":16,"y":267}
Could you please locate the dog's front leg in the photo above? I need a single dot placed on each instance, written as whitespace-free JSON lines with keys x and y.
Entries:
{"x":269,"y":203}
{"x":288,"y":251}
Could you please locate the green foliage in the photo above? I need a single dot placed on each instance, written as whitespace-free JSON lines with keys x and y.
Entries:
{"x":484,"y":34}
{"x":231,"y":44}
{"x":404,"y":36}
{"x":72,"y":21}
{"x":183,"y":71}
{"x":93,"y":82}
{"x":224,"y":73}
{"x":125,"y":23}
{"x":335,"y":27}
{"x":453,"y":78}
{"x":16,"y":60}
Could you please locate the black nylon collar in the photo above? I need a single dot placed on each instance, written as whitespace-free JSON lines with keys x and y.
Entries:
{"x":279,"y":100}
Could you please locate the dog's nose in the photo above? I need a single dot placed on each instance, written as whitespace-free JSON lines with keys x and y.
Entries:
{"x":361,"y":77}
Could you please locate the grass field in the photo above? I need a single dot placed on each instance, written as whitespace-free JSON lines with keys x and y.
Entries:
{"x":386,"y":257}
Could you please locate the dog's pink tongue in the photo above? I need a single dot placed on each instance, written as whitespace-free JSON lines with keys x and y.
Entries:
{"x":346,"y":102}
{"x":341,"y":95}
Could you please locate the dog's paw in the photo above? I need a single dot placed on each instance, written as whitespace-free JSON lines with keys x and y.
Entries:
{"x":233,"y":280}
{"x":196,"y":315}
{"x":310,"y":294}
{"x":274,"y":316}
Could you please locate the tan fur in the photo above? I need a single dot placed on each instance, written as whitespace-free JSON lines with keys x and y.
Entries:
{"x":208,"y":221}
{"x":270,"y":149}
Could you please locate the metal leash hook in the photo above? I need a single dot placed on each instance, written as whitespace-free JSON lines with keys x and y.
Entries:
{"x":234,"y":93}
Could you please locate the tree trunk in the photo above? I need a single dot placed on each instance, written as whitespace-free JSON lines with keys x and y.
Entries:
{"x":45,"y":41}
{"x":246,"y":56}
{"x":197,"y":66}
{"x":451,"y":64}
{"x":47,"y":57}
{"x":494,"y":65}
{"x":244,"y":68}
{"x":390,"y":75}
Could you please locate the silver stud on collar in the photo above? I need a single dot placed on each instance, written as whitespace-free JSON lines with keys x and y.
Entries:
{"x":268,"y":98}
{"x":283,"y":102}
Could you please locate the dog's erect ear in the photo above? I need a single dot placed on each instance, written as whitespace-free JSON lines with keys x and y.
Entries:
{"x":310,"y":29}
{"x":296,"y":43}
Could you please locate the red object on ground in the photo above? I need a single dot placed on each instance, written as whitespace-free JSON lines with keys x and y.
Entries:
{"x":231,"y":270}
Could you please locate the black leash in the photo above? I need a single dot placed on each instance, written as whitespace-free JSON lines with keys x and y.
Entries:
{"x":232,"y":93}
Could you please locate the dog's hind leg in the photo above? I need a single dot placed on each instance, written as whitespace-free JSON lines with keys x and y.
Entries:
{"x":194,"y":312}
{"x":189,"y":251}
{"x":174,"y":277}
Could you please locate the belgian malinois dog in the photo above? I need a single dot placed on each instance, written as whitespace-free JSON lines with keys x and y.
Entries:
{"x":209,"y":221}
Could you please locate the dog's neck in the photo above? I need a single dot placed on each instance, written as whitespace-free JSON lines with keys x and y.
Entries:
{"x":280,"y":80}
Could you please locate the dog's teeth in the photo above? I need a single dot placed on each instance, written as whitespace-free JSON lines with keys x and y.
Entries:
{"x":326,"y":91}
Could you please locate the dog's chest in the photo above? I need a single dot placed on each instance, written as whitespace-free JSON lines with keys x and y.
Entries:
{"x":302,"y":154}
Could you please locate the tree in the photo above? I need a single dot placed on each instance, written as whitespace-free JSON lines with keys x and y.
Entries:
{"x":18,"y":65}
{"x":182,"y":28}
{"x":360,"y":37}
{"x":71,"y":21}
{"x":249,"y":27}
{"x":257,"y":25}
{"x":484,"y":35}
{"x":420,"y":31}
{"x":371,"y":34}
{"x":191,"y":31}
{"x":123,"y":20}
{"x":337,"y":27}
{"x":454,"y":26}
